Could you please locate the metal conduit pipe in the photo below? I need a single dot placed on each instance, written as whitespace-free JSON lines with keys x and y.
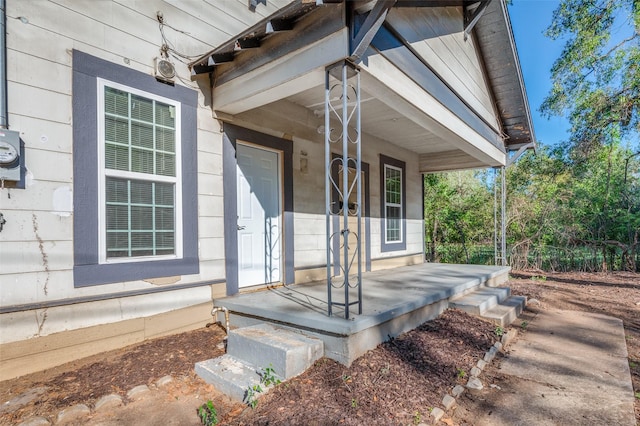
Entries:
{"x":4,"y":112}
{"x":214,"y":313}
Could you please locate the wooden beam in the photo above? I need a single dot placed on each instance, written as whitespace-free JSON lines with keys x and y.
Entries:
{"x":519,"y":152}
{"x":219,"y":58}
{"x":430,"y":3}
{"x":285,"y":76}
{"x":317,"y":25}
{"x":254,"y":3}
{"x":201,"y":69}
{"x":294,"y":8}
{"x":472,"y":18}
{"x":247,"y":43}
{"x":361,"y":39}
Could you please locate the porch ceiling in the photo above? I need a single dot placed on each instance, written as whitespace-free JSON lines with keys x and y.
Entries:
{"x":302,"y":115}
{"x":379,"y":120}
{"x":421,"y":125}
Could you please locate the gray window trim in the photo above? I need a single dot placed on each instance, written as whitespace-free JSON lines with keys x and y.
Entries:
{"x":86,"y":270}
{"x":401,"y":245}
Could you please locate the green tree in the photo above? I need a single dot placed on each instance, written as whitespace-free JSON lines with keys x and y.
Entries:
{"x":596,"y":79}
{"x":553,"y":201}
{"x":458,"y":212}
{"x":538,"y":194}
{"x":606,"y":204}
{"x":555,"y":206}
{"x":596,"y":84}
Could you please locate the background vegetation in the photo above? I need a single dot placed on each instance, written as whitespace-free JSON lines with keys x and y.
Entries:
{"x":574,"y":205}
{"x":562,"y":213}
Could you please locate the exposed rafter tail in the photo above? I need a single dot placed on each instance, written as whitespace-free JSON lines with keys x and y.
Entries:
{"x":247,"y":43}
{"x":277,"y":25}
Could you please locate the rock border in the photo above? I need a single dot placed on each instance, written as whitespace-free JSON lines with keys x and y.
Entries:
{"x":474,"y":383}
{"x":75,"y":412}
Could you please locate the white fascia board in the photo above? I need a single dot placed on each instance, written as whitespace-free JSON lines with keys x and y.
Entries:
{"x":402,"y":94}
{"x":283,"y":77}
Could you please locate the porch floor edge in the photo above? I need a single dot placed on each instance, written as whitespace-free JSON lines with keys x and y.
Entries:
{"x":387,"y":294}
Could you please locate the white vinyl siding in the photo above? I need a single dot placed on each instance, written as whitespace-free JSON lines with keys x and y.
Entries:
{"x":140,"y":179}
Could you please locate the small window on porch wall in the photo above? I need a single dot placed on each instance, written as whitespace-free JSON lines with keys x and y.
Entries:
{"x":135,"y":176}
{"x":393,"y":211}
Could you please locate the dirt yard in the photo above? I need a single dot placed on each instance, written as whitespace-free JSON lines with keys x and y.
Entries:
{"x":398,"y":383}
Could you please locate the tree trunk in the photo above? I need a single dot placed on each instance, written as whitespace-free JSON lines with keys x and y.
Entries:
{"x":631,"y":263}
{"x":464,"y":241}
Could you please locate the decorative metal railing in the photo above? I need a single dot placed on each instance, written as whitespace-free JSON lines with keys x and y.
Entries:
{"x":344,"y":254}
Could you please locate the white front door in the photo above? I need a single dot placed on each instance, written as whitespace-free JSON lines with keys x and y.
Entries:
{"x":259,"y":216}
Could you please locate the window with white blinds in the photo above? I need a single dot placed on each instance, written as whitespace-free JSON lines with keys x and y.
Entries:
{"x":140,"y":179}
{"x":393,"y":203}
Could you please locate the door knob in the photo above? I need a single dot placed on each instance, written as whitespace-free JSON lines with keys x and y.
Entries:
{"x":240,"y":228}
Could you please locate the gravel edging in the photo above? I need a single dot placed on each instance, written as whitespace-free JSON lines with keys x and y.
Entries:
{"x":474,"y":383}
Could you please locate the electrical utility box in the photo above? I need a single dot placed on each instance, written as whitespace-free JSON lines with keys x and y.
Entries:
{"x":10,"y":155}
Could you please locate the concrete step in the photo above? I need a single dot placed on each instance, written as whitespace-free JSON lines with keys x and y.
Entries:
{"x":263,"y":346}
{"x":507,"y":311}
{"x":499,"y":278}
{"x":229,"y":375}
{"x":250,"y":350}
{"x":480,"y":300}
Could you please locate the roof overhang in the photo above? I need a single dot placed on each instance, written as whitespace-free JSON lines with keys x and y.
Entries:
{"x":495,"y":39}
{"x":285,"y":55}
{"x":285,"y":19}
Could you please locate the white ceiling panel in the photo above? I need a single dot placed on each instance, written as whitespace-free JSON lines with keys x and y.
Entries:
{"x":380,"y":120}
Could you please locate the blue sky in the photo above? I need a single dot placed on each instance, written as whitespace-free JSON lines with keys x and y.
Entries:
{"x":529,"y":19}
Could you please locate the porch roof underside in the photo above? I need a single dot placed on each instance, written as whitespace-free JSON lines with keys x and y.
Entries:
{"x":443,"y":139}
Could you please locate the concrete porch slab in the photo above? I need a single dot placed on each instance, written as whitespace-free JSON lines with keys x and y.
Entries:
{"x":394,"y":301}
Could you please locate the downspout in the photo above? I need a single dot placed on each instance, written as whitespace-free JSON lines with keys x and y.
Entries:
{"x":4,"y":113}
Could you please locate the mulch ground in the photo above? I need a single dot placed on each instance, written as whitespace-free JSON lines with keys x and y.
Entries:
{"x":86,"y":380}
{"x":396,"y":383}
